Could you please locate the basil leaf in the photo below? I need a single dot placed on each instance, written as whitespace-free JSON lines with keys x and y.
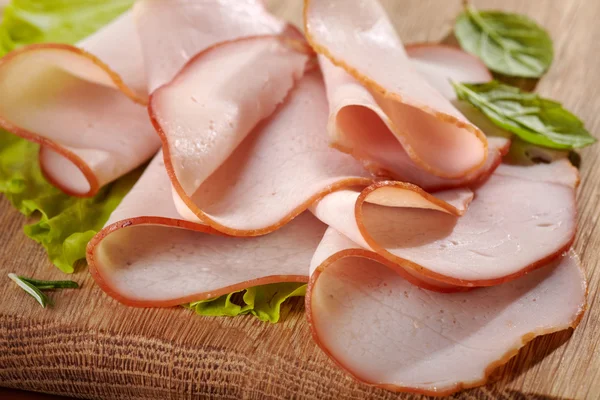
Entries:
{"x":507,"y":43}
{"x":532,"y":118}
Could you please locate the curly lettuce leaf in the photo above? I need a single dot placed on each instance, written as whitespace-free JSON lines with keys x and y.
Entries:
{"x":64,"y":21}
{"x":264,"y":302}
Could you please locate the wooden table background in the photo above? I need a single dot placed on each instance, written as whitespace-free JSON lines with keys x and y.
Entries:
{"x":90,"y":346}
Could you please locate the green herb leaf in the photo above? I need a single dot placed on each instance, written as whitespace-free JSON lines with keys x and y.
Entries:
{"x":31,"y":290}
{"x":50,"y":285}
{"x":507,"y":43}
{"x":532,"y":118}
{"x":264,"y":302}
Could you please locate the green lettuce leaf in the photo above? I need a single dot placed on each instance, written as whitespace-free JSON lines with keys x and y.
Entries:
{"x":507,"y":43}
{"x":264,"y":302}
{"x":65,"y":21}
{"x":532,"y":118}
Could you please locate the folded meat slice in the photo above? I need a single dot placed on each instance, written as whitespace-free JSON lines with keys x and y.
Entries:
{"x":354,"y":110}
{"x":147,"y":256}
{"x":520,"y":218}
{"x":238,"y":168}
{"x":84,"y":105}
{"x":174,"y":31}
{"x":389,"y":333}
{"x":395,"y":101}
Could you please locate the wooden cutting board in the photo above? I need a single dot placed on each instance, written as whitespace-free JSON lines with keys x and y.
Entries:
{"x":90,"y":346}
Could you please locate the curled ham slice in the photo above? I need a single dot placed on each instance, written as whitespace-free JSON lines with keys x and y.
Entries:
{"x":386,"y":332}
{"x":355,"y":110}
{"x":217,"y":100}
{"x":147,"y":256}
{"x":83,"y":104}
{"x":519,"y":219}
{"x":374,"y":91}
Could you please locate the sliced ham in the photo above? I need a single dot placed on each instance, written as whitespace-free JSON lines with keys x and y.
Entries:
{"x":284,"y":164}
{"x":174,"y":31}
{"x":84,"y":105}
{"x":70,"y":98}
{"x":217,"y":100}
{"x":374,"y":90}
{"x":354,"y":109}
{"x":242,"y":114}
{"x":147,"y":256}
{"x":389,"y":333}
{"x":519,"y":219}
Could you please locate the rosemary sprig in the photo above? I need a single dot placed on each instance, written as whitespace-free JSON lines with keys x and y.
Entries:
{"x":34,"y":287}
{"x":45,"y":285}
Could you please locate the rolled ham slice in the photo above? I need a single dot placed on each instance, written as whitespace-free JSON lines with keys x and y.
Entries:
{"x":389,"y":333}
{"x":520,"y":219}
{"x":84,"y":104}
{"x":374,"y":91}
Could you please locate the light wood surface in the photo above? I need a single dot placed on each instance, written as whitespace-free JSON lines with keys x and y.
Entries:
{"x":90,"y":346}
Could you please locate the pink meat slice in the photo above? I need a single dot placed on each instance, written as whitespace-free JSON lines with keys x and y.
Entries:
{"x":147,"y":256}
{"x":174,"y":31}
{"x":84,"y":105}
{"x":520,"y":218}
{"x":277,"y":171}
{"x":357,"y":37}
{"x":354,"y":111}
{"x":387,"y":332}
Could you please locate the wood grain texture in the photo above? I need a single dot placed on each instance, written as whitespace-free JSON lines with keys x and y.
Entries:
{"x":90,"y":346}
